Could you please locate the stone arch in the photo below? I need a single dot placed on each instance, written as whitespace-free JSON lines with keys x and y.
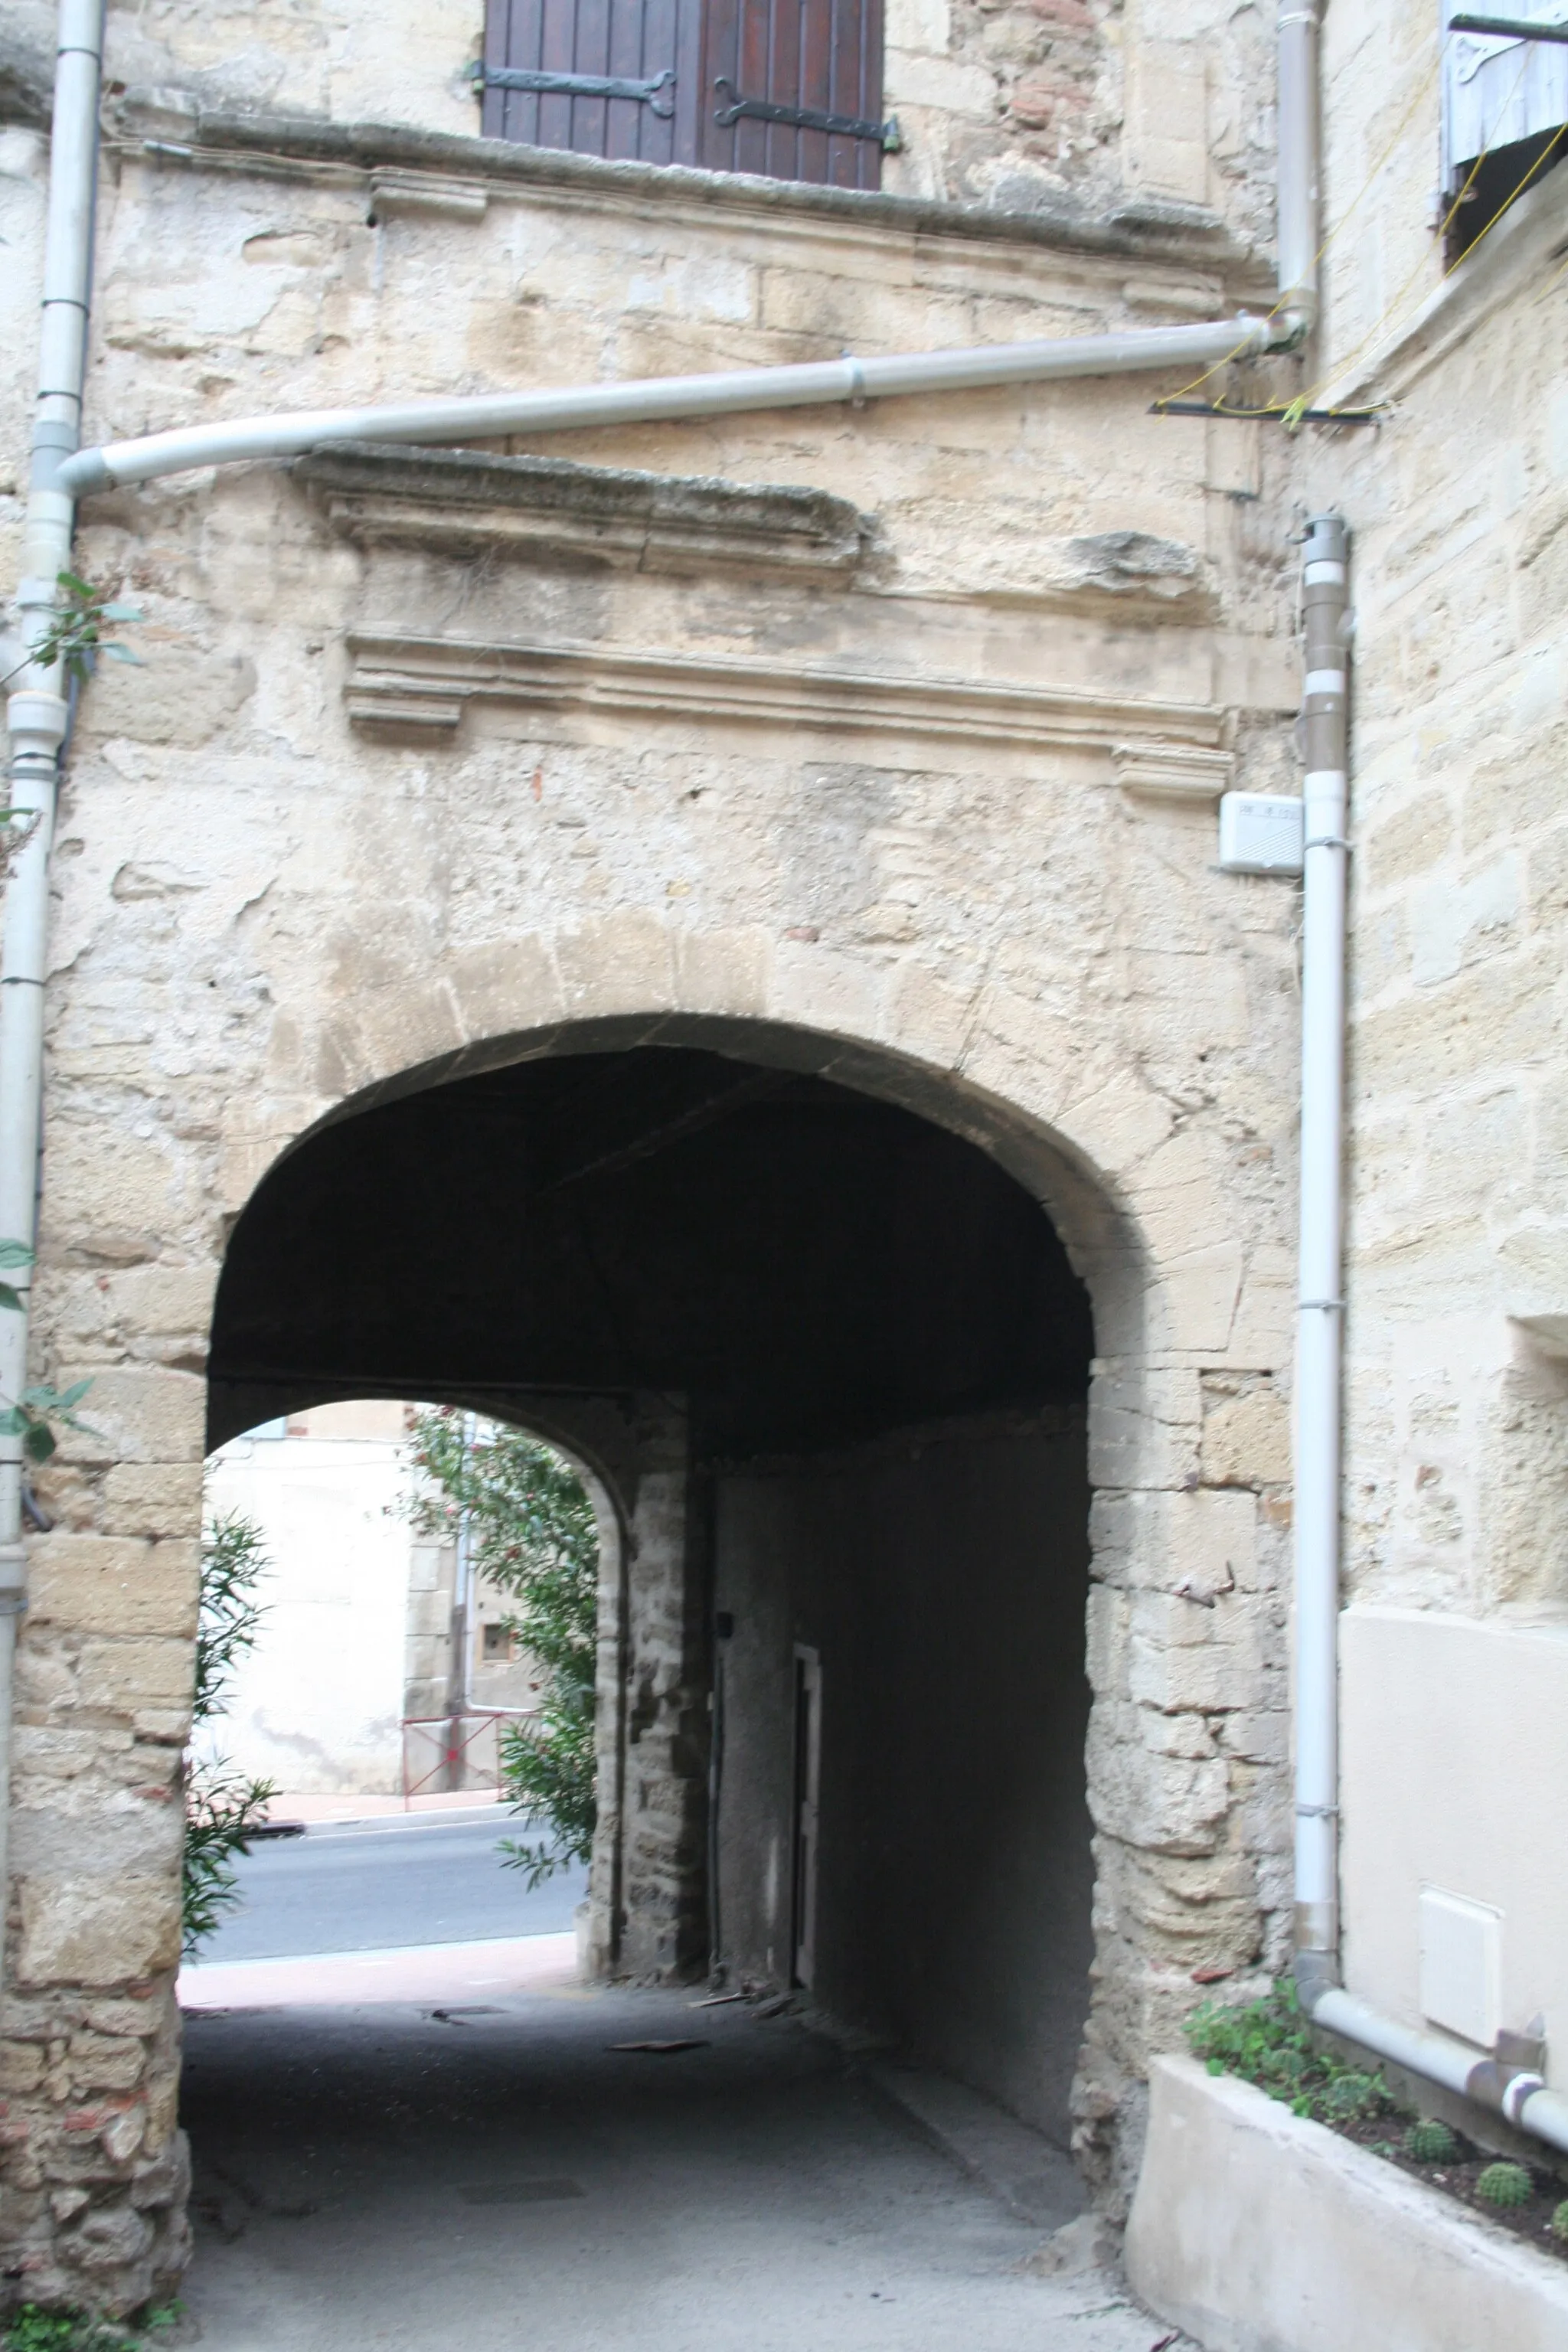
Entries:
{"x":1137,"y":1192}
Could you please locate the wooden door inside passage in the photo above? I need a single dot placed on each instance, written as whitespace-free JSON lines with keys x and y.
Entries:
{"x":808,"y":1796}
{"x":786,"y":90}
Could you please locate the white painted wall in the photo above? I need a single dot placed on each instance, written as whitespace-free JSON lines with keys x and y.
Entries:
{"x":318,"y":1704}
{"x":1456,"y":1779}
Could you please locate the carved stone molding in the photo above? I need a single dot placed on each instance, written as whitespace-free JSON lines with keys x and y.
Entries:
{"x":418,"y":687}
{"x":1189,"y":774}
{"x":461,"y":502}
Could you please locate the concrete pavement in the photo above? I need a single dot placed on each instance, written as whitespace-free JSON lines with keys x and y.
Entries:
{"x":494,"y":2173}
{"x":386,"y":1883}
{"x":421,"y":1973}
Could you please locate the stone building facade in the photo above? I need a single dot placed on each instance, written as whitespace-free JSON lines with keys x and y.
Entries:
{"x":874,"y":750}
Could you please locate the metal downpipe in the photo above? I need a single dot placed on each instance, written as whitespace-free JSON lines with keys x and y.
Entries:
{"x":1299,"y":168}
{"x":37,"y":717}
{"x":1325,"y":601}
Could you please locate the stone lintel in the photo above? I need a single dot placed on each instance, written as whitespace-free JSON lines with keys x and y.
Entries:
{"x":433,"y":679}
{"x":174,"y":125}
{"x":468,"y":502}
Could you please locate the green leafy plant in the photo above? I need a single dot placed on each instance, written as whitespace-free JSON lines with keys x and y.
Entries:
{"x":1269,"y":2043}
{"x":1559,"y":2223}
{"x":533,"y":1533}
{"x":1430,"y":2142}
{"x":75,"y":634}
{"x":1506,"y":2186}
{"x":223,"y":1807}
{"x":30,"y":1418}
{"x":34,"y":2329}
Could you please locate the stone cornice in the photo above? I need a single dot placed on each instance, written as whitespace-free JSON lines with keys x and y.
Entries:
{"x":415,"y":687}
{"x":461,"y":502}
{"x":1141,"y":230}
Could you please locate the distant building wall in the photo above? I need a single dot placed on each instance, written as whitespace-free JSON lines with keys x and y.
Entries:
{"x":358,"y":1626}
{"x":317,"y":1706}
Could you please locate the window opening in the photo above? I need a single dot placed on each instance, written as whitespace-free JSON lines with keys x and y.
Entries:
{"x":787,"y":89}
{"x":1505,"y":112}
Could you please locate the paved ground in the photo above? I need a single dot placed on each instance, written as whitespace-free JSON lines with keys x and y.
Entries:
{"x":374,"y":1885}
{"x":399,"y":2177}
{"x":425,"y":1974}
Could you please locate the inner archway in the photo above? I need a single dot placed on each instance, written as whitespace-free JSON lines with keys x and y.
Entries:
{"x":831,"y":1361}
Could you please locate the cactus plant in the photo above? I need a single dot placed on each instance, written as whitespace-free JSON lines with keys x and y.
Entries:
{"x":1430,"y":2142}
{"x":1506,"y":2186}
{"x":1559,"y":2223}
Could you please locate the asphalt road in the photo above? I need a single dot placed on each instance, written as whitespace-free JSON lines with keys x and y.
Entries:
{"x":372,"y":1886}
{"x":391,"y":2179}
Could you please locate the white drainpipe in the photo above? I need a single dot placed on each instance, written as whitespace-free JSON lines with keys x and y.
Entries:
{"x":1325,"y":606}
{"x":36,"y":714}
{"x":675,"y":397}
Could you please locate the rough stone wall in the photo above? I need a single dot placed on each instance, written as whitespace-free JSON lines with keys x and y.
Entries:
{"x":649,"y":1908}
{"x":1113,"y":105}
{"x":938,"y":821}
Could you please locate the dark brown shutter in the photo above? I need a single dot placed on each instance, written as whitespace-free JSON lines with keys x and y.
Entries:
{"x":634,"y":41}
{"x":820,"y":56}
{"x":817,"y":56}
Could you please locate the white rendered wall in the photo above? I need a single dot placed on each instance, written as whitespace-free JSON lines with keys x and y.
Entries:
{"x":1456,"y":1776}
{"x":317,"y":1707}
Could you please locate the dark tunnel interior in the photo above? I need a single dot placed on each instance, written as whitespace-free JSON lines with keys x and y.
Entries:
{"x":882,"y":1354}
{"x":806,"y":1264}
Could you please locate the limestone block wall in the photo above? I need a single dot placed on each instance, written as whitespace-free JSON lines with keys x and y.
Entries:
{"x":937,"y":819}
{"x":1456,"y":1420}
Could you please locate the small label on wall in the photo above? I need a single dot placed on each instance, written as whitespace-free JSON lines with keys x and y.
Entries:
{"x":1461,"y":1965}
{"x":1261,"y":833}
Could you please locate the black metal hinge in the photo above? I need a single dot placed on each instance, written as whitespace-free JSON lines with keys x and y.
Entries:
{"x":576,"y":85}
{"x":806,"y":117}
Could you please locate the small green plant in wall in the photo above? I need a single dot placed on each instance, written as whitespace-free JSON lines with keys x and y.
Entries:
{"x":75,"y":634}
{"x":31,"y":1415}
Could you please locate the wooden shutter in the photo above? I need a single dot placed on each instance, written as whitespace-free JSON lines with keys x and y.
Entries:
{"x":726,"y":58}
{"x":631,"y":40}
{"x":824,"y":57}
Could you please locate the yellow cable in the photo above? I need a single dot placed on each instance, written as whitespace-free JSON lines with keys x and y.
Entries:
{"x":1372,"y":176}
{"x":1368,"y":341}
{"x":1294,"y":408}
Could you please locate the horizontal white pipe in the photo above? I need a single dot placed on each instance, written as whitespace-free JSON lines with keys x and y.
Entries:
{"x":487,"y":416}
{"x":1438,"y":2060}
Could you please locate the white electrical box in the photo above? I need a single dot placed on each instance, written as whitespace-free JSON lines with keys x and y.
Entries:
{"x":1261,"y":833}
{"x":1461,"y":1965}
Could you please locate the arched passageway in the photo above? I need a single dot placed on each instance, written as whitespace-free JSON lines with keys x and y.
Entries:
{"x":831,"y":1361}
